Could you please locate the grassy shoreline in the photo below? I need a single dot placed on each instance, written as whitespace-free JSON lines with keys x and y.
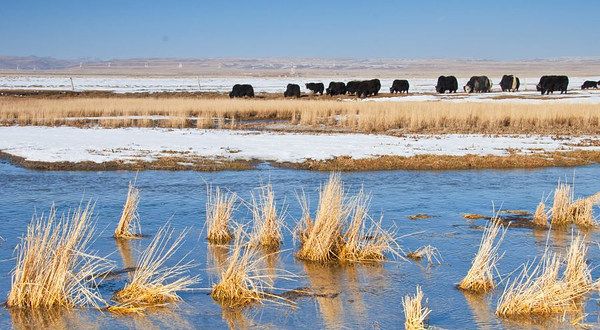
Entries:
{"x":344,"y":164}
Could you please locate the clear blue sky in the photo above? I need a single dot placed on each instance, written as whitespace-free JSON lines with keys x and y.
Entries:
{"x":498,"y":30}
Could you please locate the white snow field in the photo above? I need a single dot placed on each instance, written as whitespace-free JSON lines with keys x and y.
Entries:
{"x":278,"y":85}
{"x":54,"y":144}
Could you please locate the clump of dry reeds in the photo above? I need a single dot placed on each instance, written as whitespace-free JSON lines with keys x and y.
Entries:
{"x":362,"y":243}
{"x":53,"y":266}
{"x":563,"y":196}
{"x":219,"y":211}
{"x":129,"y":224}
{"x":540,"y":217}
{"x":566,"y":210}
{"x":321,"y":239}
{"x":415,"y":314}
{"x":329,"y":237}
{"x":577,"y":273}
{"x":267,"y":222}
{"x":480,"y":277}
{"x":539,"y":291}
{"x":428,"y":252}
{"x":242,"y":281}
{"x":153,"y":283}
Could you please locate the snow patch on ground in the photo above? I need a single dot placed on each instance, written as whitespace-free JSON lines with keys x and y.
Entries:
{"x":54,"y":144}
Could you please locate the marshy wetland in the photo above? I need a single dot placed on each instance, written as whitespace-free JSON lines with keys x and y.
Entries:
{"x":306,"y":294}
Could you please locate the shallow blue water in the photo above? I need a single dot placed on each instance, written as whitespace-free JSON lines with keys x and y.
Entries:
{"x":368,"y":296}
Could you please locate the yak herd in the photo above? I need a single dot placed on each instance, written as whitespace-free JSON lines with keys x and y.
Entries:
{"x":365,"y":88}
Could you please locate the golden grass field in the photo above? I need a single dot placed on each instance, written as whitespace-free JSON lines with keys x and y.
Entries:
{"x":309,"y":114}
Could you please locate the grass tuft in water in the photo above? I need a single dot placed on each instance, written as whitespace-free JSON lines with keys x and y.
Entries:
{"x":129,"y":224}
{"x":219,"y":211}
{"x":153,"y":283}
{"x":540,"y":291}
{"x":480,"y":277}
{"x":415,"y":314}
{"x":267,"y":222}
{"x":54,"y":268}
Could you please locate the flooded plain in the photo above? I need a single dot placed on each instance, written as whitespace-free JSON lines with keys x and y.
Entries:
{"x":348,"y":296}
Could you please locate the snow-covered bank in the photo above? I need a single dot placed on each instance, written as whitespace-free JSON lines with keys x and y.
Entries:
{"x":55,"y":144}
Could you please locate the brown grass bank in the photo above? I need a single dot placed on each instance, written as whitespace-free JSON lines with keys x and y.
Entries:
{"x":342,"y":163}
{"x":318,"y":113}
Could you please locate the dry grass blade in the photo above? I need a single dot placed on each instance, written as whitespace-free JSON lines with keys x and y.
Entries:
{"x":219,"y":211}
{"x":428,"y":252}
{"x":414,"y":313}
{"x":267,"y":223}
{"x":153,"y":283}
{"x":129,"y":224}
{"x":480,"y":277}
{"x":322,"y":239}
{"x":53,"y":265}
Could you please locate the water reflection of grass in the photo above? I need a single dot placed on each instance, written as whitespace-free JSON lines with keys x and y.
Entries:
{"x":56,"y":318}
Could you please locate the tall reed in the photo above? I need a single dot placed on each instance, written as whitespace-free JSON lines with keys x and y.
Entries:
{"x":540,"y":291}
{"x":267,"y":222}
{"x":480,"y":277}
{"x":129,"y":224}
{"x":153,"y":283}
{"x":322,"y":239}
{"x":219,"y":211}
{"x":415,"y":314}
{"x":53,"y":264}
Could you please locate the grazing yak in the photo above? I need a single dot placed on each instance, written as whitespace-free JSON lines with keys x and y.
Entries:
{"x":336,"y":88}
{"x":510,"y":83}
{"x":399,"y":86}
{"x":292,"y":90}
{"x":368,"y":87}
{"x":589,"y":84}
{"x":478,"y":84}
{"x":549,"y":84}
{"x":241,"y":91}
{"x":446,"y":83}
{"x":316,"y":88}
{"x":352,"y":86}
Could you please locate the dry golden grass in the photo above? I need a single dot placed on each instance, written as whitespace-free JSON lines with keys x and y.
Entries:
{"x":438,"y":117}
{"x":540,"y":217}
{"x":415,"y":314}
{"x":563,"y":197}
{"x":577,"y":273}
{"x":540,"y":292}
{"x":566,"y":210}
{"x":362,"y":243}
{"x":267,"y":222}
{"x":219,"y":211}
{"x":153,"y":283}
{"x":447,"y":162}
{"x":243,"y":281}
{"x":428,"y":252}
{"x":54,"y":268}
{"x":321,"y":239}
{"x":480,"y":277}
{"x":340,"y":231}
{"x":129,"y":224}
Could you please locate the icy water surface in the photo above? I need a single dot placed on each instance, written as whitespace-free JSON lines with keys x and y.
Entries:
{"x":357,"y":297}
